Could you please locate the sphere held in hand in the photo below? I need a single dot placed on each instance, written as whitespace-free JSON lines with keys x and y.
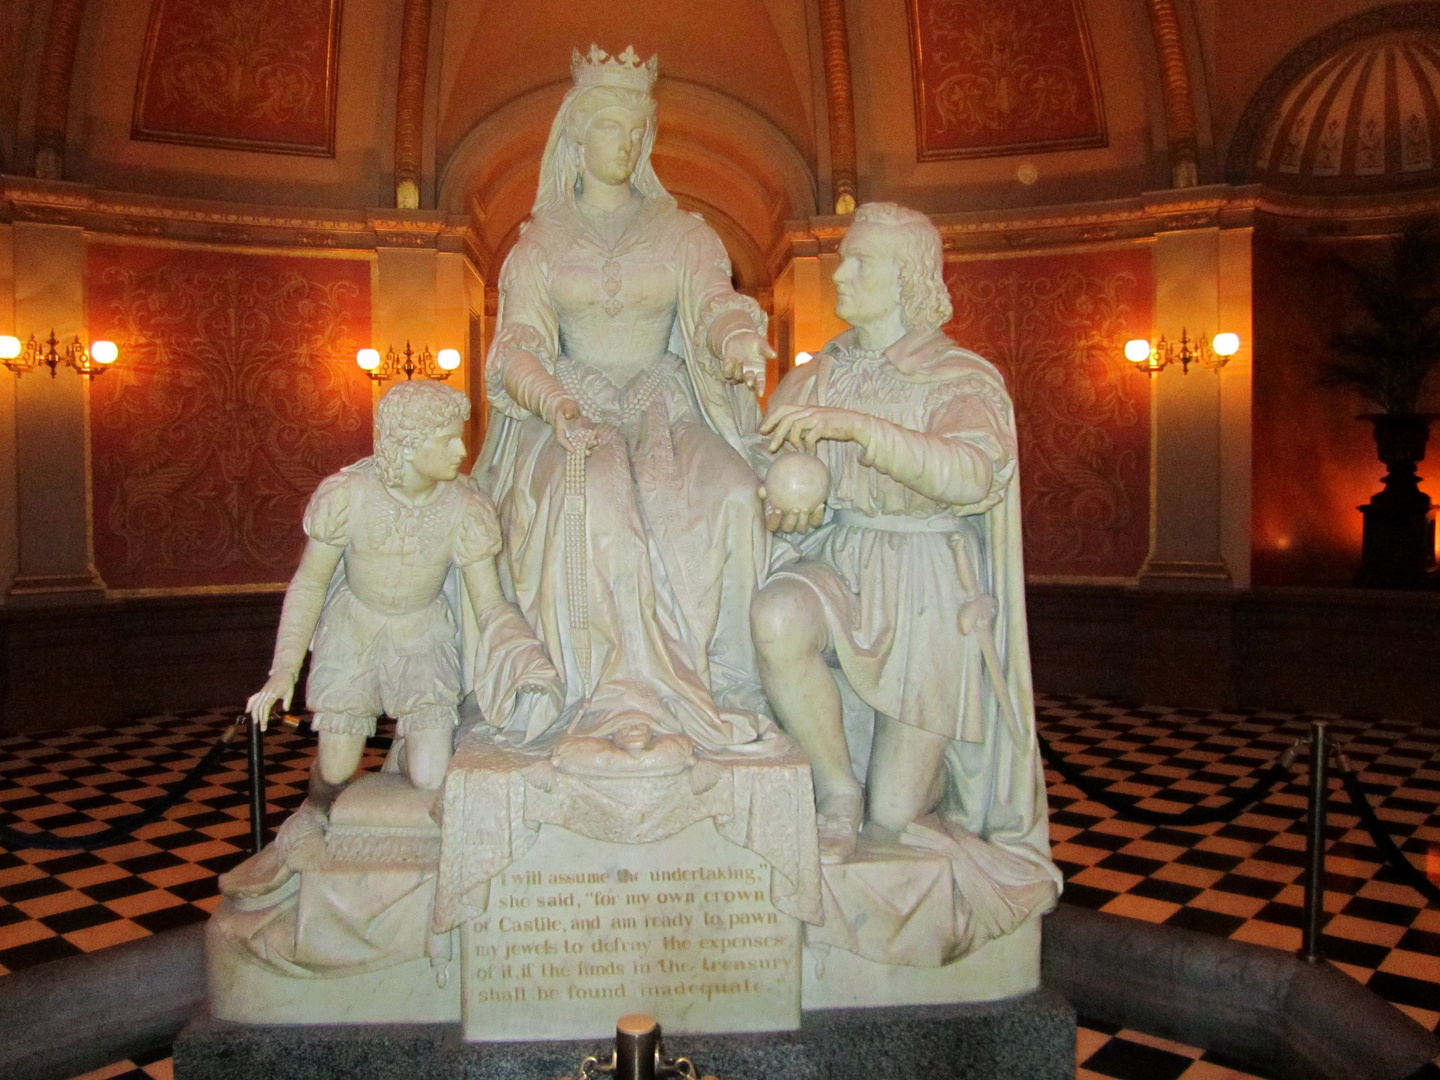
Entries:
{"x":797,"y":481}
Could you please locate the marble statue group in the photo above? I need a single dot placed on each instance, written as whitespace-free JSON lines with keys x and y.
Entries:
{"x":651,"y":614}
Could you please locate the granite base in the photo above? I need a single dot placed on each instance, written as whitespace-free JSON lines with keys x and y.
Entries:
{"x":1025,"y":1038}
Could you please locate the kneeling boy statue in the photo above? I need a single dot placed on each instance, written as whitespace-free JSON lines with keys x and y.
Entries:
{"x":369,"y":598}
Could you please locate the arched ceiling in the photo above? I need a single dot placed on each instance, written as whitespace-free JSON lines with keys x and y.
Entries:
{"x":754,"y":51}
{"x":716,"y":155}
{"x":1365,"y":118}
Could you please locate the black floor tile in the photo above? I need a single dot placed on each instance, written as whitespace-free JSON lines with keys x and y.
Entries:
{"x":1209,"y":860}
{"x":1379,"y":911}
{"x":105,"y":891}
{"x":171,"y":917}
{"x":1171,"y":891}
{"x":1401,"y":989}
{"x":222,"y":864}
{"x":29,"y":890}
{"x":34,"y":953}
{"x":81,"y":918}
{"x":1349,"y":951}
{"x":65,"y":864}
{"x":1130,"y":864}
{"x":1216,"y":923}
{"x":1243,"y":885}
{"x":1283,"y":914}
{"x":1126,"y":1060}
{"x":1421,"y":941}
{"x":1087,"y":897}
{"x":145,"y":864}
{"x":197,"y":889}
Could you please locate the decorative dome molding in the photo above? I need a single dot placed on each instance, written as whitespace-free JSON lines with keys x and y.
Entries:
{"x":1354,"y":110}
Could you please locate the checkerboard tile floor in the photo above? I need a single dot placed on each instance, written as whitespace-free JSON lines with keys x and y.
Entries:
{"x":1240,"y":880}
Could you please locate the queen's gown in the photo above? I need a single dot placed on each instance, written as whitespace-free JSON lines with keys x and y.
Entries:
{"x":638,"y":576}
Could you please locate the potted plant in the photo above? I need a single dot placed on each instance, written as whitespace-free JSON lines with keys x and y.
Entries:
{"x":1387,"y":353}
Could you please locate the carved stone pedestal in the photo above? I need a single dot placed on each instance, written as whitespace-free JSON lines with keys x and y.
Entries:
{"x":1025,"y":1038}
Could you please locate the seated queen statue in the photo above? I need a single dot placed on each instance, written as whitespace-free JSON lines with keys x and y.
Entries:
{"x":622,"y":385}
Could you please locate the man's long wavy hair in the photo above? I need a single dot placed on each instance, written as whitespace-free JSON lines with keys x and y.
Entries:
{"x":915,"y":242}
{"x":409,"y":414}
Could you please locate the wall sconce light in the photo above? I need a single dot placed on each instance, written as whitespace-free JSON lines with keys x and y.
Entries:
{"x":22,"y":357}
{"x":1151,"y":359}
{"x":409,"y":363}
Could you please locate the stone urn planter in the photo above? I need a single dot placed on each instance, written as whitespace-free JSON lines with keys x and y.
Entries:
{"x":1386,"y":351}
{"x":1398,"y":550}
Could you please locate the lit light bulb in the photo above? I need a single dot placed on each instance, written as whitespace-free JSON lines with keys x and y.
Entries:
{"x":1225,"y":344}
{"x":802,"y":358}
{"x":9,"y":347}
{"x":448,"y":359}
{"x":104,"y":352}
{"x":1137,"y":350}
{"x":368,"y":359}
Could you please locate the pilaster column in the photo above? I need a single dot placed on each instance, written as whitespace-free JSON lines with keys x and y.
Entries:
{"x":9,"y":521}
{"x":1185,"y":536}
{"x":404,"y":308}
{"x":1236,"y":381}
{"x":804,"y":295}
{"x":52,"y":454}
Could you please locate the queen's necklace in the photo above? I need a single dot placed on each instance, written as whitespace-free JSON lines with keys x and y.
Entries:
{"x":610,"y":229}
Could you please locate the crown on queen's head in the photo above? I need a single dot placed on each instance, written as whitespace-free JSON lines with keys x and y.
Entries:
{"x":600,"y":69}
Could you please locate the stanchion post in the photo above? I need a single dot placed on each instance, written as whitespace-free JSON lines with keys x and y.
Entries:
{"x":637,"y":1046}
{"x":257,"y":786}
{"x":1315,"y":844}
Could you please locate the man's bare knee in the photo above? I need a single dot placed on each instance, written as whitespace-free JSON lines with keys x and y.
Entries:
{"x":786,"y":620}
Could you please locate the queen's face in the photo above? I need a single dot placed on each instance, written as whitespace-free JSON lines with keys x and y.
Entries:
{"x":440,"y":456}
{"x":867,"y":282}
{"x":612,"y":145}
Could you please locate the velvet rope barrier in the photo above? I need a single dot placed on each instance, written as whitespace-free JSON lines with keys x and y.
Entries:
{"x":1237,"y":799}
{"x":122,"y":828}
{"x":1380,"y":837}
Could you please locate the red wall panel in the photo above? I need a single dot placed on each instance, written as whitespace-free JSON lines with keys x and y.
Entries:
{"x":235,"y":394}
{"x":1055,"y":325}
{"x":1003,"y":77}
{"x":249,"y":74}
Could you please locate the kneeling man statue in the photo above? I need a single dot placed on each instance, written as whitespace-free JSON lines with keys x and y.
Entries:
{"x":891,"y":631}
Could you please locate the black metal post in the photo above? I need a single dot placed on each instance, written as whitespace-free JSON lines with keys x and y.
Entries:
{"x":257,"y":786}
{"x":637,"y":1047}
{"x":1315,"y":844}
